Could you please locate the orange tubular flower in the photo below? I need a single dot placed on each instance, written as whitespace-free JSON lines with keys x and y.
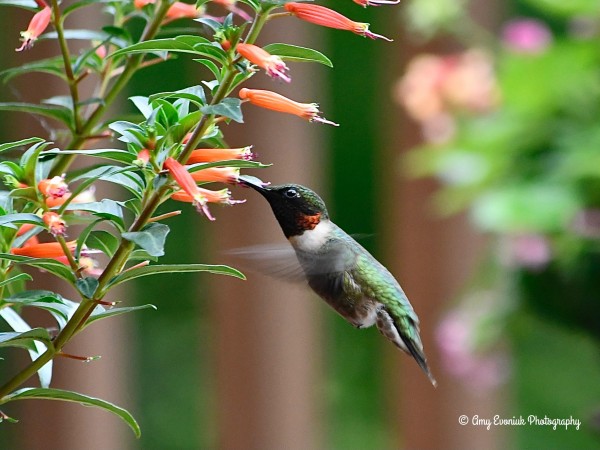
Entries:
{"x":143,"y":157}
{"x":180,"y":10}
{"x":53,"y":187}
{"x":86,"y":196}
{"x":222,"y":196}
{"x":46,"y":250}
{"x":273,"y":65}
{"x":187,"y":183}
{"x":326,"y":17}
{"x":38,"y":24}
{"x":56,"y":225}
{"x":277,"y":102}
{"x":24,"y":228}
{"x":217,"y":174}
{"x":202,"y":155}
{"x":177,"y":10}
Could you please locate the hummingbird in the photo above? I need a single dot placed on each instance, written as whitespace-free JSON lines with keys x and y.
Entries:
{"x":337,"y":268}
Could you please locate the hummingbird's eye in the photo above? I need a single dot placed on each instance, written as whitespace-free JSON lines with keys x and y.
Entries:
{"x":292,"y":193}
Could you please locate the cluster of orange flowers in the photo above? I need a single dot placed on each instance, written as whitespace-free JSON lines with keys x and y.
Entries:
{"x":54,"y":192}
{"x":276,"y":68}
{"x":192,"y":193}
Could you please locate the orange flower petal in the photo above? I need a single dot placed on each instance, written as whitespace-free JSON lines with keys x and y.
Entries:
{"x":277,"y":102}
{"x":37,"y":25}
{"x":217,"y":174}
{"x":319,"y":15}
{"x":45,"y":250}
{"x":56,"y":225}
{"x":273,"y":65}
{"x":180,"y":10}
{"x":202,"y":155}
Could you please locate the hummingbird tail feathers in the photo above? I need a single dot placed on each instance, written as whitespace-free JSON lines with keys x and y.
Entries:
{"x":404,"y":333}
{"x":416,"y":351}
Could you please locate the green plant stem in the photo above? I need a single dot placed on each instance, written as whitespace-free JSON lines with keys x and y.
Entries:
{"x":224,"y":88}
{"x":117,"y":262}
{"x":66,"y":55}
{"x":258,"y":24}
{"x":202,"y":126}
{"x":131,"y":66}
{"x":68,"y":254}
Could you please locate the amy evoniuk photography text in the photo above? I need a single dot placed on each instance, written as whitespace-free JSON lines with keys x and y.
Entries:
{"x":205,"y":208}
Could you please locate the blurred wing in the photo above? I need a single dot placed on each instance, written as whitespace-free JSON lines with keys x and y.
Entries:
{"x":278,"y":261}
{"x":284,"y":263}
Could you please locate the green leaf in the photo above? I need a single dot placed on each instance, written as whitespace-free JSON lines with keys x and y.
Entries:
{"x":179,"y":44}
{"x":229,"y":107}
{"x":49,"y":265}
{"x":87,"y":286}
{"x":60,"y":308}
{"x":210,"y":23}
{"x":20,"y":277}
{"x":211,"y":66}
{"x":122,"y":176}
{"x":21,"y":143}
{"x":25,"y":339}
{"x":32,"y":171}
{"x":143,"y":105}
{"x":83,"y":186}
{"x":193,"y":93}
{"x":106,"y":208}
{"x":59,"y":113}
{"x":9,"y":220}
{"x":69,"y":396}
{"x":175,"y":268}
{"x":141,"y":255}
{"x":295,"y":53}
{"x":104,"y":313}
{"x":106,"y":153}
{"x":83,"y":235}
{"x":18,"y":324}
{"x":254,"y":4}
{"x":26,"y":4}
{"x":52,"y":66}
{"x":85,"y":35}
{"x":81,"y":4}
{"x":151,"y":238}
{"x":8,"y":419}
{"x":104,"y":241}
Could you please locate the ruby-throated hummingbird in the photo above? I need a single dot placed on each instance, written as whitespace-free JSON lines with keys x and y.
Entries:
{"x":339,"y":269}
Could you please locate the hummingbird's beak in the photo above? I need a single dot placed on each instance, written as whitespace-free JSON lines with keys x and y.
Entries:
{"x":253,"y":182}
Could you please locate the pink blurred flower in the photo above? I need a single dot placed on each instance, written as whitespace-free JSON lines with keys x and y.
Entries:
{"x":529,"y":250}
{"x":456,"y":337}
{"x":527,"y":36}
{"x":435,"y":86}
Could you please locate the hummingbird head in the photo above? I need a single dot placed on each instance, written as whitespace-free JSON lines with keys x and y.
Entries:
{"x":296,"y":208}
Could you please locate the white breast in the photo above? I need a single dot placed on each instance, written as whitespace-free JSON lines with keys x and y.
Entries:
{"x":312,"y":240}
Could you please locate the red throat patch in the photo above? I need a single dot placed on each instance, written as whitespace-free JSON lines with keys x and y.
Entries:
{"x":309,"y":222}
